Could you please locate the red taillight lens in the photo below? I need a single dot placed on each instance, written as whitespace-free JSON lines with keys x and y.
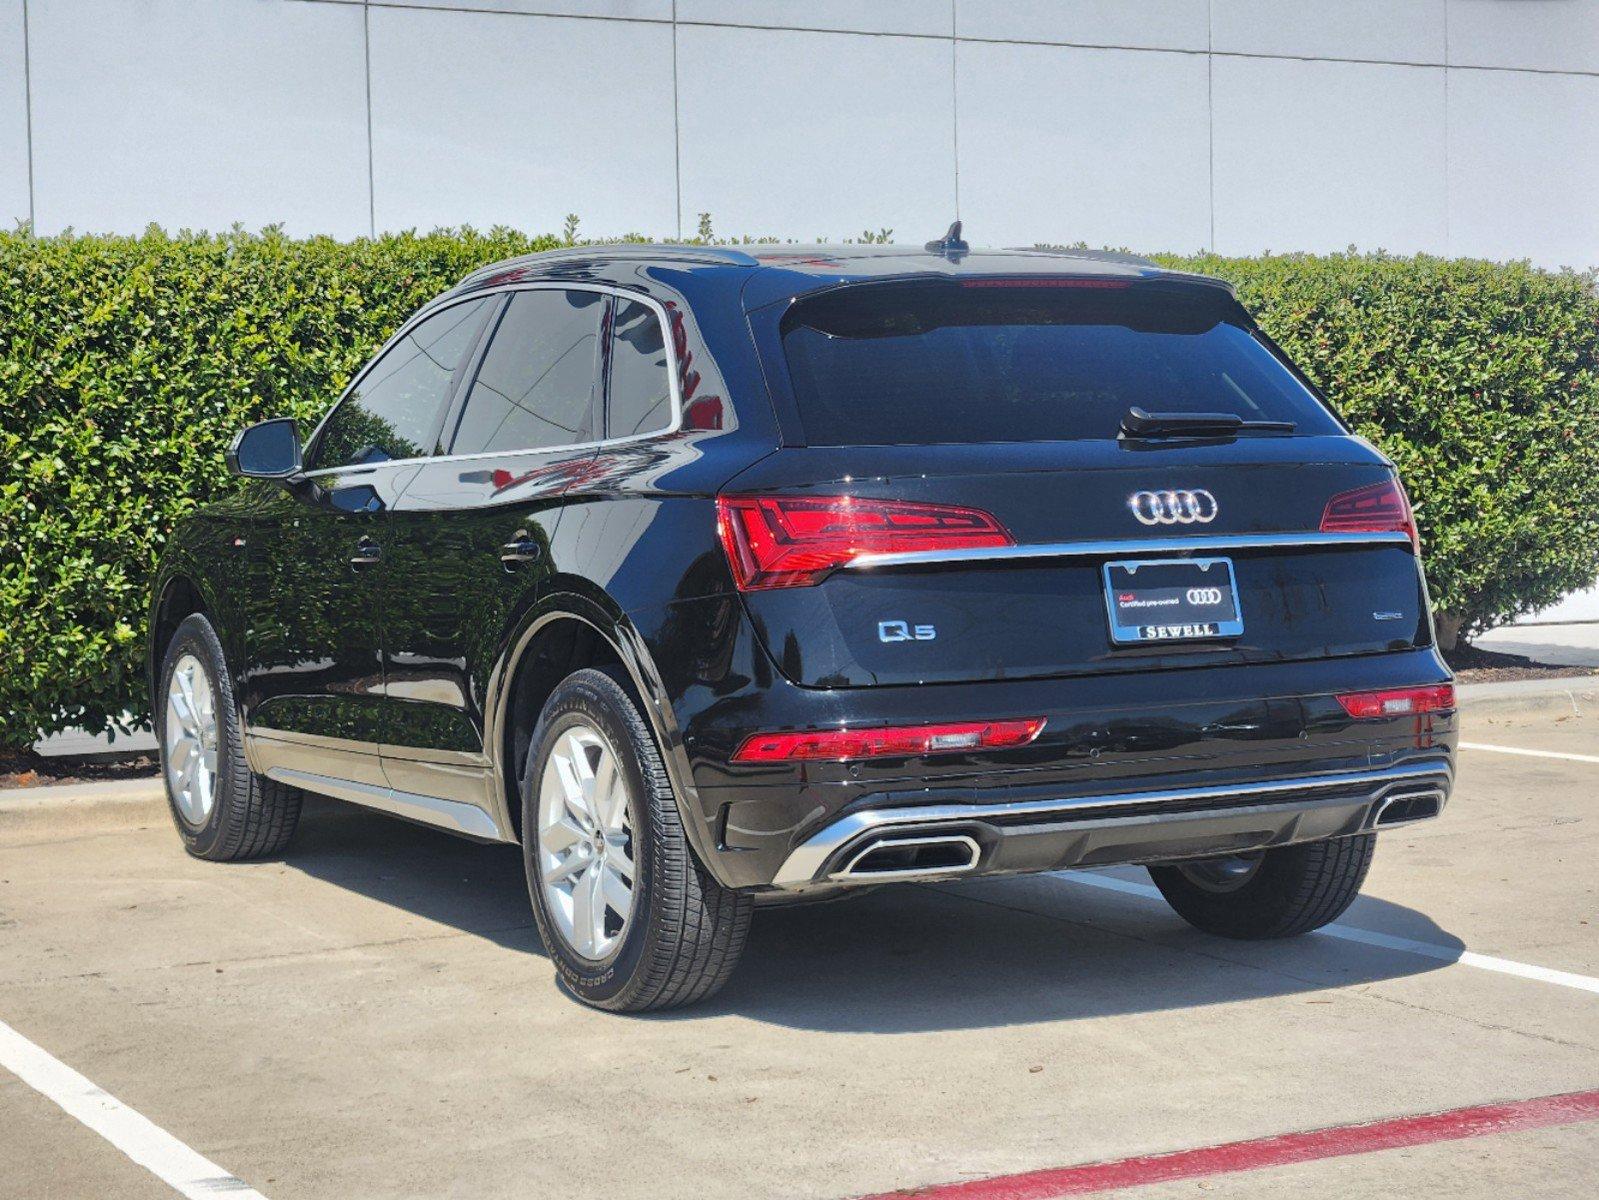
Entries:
{"x":1402,"y":702}
{"x":794,"y":541}
{"x":1376,"y":508}
{"x":897,"y":741}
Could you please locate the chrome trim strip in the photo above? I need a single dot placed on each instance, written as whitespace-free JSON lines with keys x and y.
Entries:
{"x":458,"y":785}
{"x":1119,"y":547}
{"x":806,"y":861}
{"x":332,"y":757}
{"x":439,"y":304}
{"x":427,"y":754}
{"x":429,"y":810}
{"x":319,"y":741}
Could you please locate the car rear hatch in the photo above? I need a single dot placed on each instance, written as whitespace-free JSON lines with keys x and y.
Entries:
{"x":959,"y":500}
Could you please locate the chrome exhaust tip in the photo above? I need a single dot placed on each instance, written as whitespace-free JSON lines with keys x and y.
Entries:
{"x":888,"y":858}
{"x":1402,"y":808}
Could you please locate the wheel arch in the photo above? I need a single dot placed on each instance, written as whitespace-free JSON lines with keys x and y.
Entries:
{"x":178,"y":594}
{"x":525,"y":676}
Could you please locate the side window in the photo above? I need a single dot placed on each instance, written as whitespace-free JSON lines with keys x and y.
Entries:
{"x":535,"y":388}
{"x":640,"y":395}
{"x":395,"y":409}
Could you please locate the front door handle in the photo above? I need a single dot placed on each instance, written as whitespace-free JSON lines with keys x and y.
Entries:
{"x":367,"y":553}
{"x":519,"y":550}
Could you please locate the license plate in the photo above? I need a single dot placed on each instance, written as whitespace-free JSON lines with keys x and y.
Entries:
{"x":1172,"y":600}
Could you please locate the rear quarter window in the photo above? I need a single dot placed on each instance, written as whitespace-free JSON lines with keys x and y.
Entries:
{"x":986,"y":360}
{"x":639,"y":397}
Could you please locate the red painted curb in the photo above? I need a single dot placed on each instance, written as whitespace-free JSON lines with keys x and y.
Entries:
{"x":1307,"y":1146}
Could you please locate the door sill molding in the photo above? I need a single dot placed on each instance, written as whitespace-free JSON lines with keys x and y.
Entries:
{"x":453,"y":815}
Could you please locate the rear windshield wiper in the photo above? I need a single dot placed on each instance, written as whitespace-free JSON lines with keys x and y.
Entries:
{"x":1138,"y":423}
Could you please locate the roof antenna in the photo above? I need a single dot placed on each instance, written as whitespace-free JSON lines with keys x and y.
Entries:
{"x":950,"y":244}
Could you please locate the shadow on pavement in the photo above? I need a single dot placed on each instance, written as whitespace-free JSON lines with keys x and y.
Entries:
{"x":1008,"y":951}
{"x":973,"y":955}
{"x":477,"y":888}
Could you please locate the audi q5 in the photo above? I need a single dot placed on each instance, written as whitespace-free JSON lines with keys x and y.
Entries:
{"x":719,"y":578}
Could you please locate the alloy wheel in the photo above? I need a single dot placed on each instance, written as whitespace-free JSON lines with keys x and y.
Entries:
{"x":585,"y":843}
{"x":191,"y":736}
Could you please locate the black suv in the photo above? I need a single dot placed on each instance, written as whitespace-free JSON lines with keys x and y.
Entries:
{"x":719,"y":578}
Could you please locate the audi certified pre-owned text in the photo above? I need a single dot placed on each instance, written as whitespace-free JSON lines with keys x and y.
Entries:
{"x":721,"y":578}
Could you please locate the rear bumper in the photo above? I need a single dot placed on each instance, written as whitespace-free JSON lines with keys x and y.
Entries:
{"x":1162,"y":731}
{"x":872,"y":845}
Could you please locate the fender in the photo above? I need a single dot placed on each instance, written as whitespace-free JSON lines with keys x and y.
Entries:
{"x":613,"y":625}
{"x":178,"y":563}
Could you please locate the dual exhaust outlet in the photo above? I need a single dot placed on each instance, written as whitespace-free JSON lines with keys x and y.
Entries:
{"x":1403,"y":807}
{"x":911,"y":857}
{"x":927,"y":856}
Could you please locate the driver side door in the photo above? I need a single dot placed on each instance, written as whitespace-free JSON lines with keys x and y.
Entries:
{"x":313,"y":682}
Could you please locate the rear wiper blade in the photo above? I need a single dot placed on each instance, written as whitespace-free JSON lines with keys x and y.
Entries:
{"x":1138,"y":423}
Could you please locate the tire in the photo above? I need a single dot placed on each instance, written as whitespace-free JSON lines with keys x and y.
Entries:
{"x":1293,"y":890}
{"x":248,"y":816}
{"x":684,"y":932}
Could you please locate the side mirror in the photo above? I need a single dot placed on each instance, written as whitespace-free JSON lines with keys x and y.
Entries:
{"x":266,"y":450}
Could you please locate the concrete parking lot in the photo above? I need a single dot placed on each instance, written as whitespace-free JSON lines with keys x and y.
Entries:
{"x":371,"y":1016}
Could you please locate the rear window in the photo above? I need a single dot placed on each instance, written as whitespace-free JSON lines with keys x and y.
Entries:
{"x":994,"y":361}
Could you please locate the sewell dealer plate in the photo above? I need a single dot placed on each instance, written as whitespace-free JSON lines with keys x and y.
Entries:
{"x":1172,"y":600}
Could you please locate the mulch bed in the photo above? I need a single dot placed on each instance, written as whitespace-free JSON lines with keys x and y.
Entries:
{"x":38,"y":770}
{"x":1472,"y":665}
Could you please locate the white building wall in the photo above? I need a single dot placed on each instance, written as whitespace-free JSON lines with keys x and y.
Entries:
{"x":1451,"y":126}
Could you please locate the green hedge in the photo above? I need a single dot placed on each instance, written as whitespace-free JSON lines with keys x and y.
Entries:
{"x":1481,"y":381}
{"x":127,"y":363}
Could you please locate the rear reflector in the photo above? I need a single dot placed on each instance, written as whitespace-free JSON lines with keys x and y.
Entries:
{"x":794,"y":541}
{"x":896,"y":741}
{"x":1403,"y":702}
{"x":1376,"y":508}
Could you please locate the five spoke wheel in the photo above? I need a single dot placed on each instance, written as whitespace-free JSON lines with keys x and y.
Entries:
{"x":585,"y":842}
{"x":191,"y":740}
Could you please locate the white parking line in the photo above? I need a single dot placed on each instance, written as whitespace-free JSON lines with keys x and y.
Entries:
{"x":1587,"y":758}
{"x":1347,"y":933}
{"x":147,"y":1144}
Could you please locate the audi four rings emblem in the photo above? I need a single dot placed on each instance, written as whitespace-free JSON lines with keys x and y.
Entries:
{"x":1197,"y":507}
{"x":1200,"y":596}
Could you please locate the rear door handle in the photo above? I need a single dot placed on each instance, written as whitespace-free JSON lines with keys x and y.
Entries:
{"x":367,"y":553}
{"x":519,"y":550}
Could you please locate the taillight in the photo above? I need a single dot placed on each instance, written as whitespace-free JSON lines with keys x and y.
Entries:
{"x":897,"y":741}
{"x":794,"y":541}
{"x":1401,"y":702}
{"x":1376,"y":508}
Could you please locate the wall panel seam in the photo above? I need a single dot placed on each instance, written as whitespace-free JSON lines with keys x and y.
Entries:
{"x":371,"y":175}
{"x":1448,"y":198}
{"x":954,"y":100}
{"x":27,"y":115}
{"x":677,"y":129}
{"x":1210,"y":110}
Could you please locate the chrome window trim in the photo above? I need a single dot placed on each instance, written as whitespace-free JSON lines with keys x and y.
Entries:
{"x":1114,"y":547}
{"x":432,"y":309}
{"x":805,"y":862}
